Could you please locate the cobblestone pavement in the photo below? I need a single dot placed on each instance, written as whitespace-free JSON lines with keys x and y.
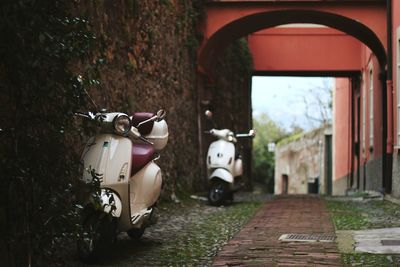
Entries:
{"x":257,"y":243}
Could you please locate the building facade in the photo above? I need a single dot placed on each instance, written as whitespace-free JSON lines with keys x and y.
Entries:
{"x":303,"y":163}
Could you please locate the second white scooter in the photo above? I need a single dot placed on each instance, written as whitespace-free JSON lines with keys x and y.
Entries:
{"x":224,"y":164}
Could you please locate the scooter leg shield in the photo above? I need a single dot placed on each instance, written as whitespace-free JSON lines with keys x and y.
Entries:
{"x":222,"y":174}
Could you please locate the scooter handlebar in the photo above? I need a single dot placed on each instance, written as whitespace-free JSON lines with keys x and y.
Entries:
{"x":88,"y":115}
{"x":251,"y":133}
{"x":134,"y":133}
{"x":243,"y":135}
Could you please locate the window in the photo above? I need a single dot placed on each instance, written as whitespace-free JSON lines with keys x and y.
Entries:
{"x":371,"y":107}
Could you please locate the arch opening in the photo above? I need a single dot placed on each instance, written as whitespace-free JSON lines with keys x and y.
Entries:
{"x":253,"y":23}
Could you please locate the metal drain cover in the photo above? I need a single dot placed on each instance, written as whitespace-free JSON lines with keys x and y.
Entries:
{"x":390,"y":242}
{"x":307,"y":237}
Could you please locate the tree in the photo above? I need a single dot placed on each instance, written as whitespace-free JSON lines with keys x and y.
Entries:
{"x":318,"y":103}
{"x":267,"y":131}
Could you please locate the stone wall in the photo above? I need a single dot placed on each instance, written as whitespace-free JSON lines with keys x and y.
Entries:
{"x":149,"y":49}
{"x":374,"y":175}
{"x":145,"y":56}
{"x":396,"y":175}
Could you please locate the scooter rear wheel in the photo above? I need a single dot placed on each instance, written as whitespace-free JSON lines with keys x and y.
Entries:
{"x":218,"y":193}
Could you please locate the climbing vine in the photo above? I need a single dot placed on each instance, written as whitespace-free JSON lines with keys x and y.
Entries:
{"x":54,"y":51}
{"x":39,"y":165}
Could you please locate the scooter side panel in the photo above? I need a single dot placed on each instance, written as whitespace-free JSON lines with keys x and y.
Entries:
{"x":144,"y":189}
{"x":222,"y":174}
{"x":221,"y":154}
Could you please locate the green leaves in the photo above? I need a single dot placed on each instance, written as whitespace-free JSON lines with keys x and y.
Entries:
{"x":40,"y":41}
{"x":263,"y":161}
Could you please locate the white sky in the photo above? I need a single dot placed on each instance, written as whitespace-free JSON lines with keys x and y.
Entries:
{"x":284,"y":99}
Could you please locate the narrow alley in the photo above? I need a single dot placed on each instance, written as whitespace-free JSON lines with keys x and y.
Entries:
{"x":200,"y":133}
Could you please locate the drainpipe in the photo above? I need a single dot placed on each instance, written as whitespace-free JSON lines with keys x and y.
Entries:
{"x":387,"y":156}
{"x":389,"y":81}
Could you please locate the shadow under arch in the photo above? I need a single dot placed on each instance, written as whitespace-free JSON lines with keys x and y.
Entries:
{"x":252,"y":23}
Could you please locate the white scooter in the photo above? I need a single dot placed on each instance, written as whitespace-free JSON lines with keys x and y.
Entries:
{"x":122,"y":156}
{"x":224,"y":164}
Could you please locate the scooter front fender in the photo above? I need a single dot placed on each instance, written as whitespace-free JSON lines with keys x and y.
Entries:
{"x":111,"y":202}
{"x":222,"y":174}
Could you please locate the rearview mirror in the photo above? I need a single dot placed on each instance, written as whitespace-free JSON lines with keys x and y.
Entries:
{"x":161,"y":114}
{"x":208,"y":114}
{"x":252,"y":133}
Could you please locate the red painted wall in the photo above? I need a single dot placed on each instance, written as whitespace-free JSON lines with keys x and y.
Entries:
{"x":369,"y":61}
{"x":304,"y":49}
{"x":372,"y":14}
{"x":342,"y":128}
{"x":227,"y":21}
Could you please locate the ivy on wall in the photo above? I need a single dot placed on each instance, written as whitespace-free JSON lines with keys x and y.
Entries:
{"x":129,"y":58}
{"x":39,"y":95}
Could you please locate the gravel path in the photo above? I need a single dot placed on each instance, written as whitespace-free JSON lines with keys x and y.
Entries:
{"x":187,"y":234}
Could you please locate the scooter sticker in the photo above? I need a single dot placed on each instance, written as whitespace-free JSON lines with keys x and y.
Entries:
{"x":106,"y":144}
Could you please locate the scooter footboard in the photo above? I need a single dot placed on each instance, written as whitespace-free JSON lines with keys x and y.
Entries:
{"x":144,"y":189}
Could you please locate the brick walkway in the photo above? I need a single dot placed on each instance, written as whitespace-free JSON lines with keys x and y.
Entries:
{"x":257,"y":243}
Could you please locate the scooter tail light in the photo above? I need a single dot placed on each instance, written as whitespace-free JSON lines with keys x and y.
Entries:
{"x":230,"y":161}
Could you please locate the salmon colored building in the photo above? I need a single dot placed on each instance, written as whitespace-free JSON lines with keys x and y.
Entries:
{"x":394,"y":106}
{"x":355,"y":41}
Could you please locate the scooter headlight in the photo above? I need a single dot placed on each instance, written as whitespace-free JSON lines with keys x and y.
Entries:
{"x":122,"y":124}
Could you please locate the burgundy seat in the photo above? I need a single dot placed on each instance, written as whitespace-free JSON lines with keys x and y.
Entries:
{"x":138,"y":117}
{"x":141,"y":155}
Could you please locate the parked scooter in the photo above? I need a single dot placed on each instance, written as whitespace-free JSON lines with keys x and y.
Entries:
{"x":122,"y":156}
{"x":224,"y":164}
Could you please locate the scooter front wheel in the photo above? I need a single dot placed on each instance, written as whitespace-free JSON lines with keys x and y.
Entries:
{"x":136,"y":233}
{"x":17,"y":219}
{"x":218,"y":193}
{"x":99,"y":232}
